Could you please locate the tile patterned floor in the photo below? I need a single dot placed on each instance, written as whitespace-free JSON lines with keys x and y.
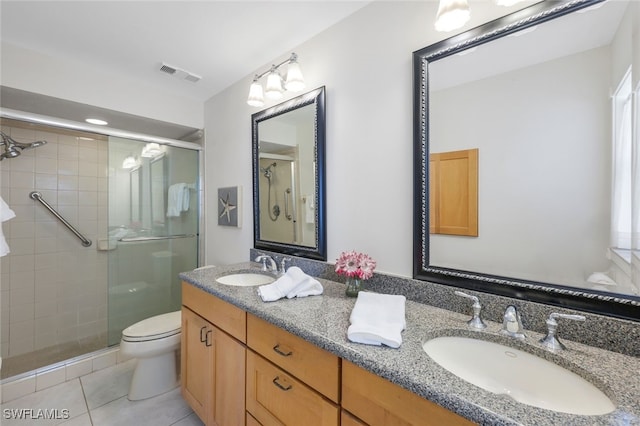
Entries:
{"x":99,"y":399}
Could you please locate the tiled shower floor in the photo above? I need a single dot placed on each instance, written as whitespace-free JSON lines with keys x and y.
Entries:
{"x":19,"y":364}
{"x":100,"y":399}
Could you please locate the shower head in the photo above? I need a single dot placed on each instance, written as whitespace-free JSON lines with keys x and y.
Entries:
{"x":13,"y":148}
{"x":267,"y":171}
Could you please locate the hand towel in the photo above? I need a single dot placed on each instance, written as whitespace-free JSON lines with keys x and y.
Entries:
{"x":378,"y":319}
{"x":177,"y":199}
{"x":294,"y":283}
{"x":5,"y":214}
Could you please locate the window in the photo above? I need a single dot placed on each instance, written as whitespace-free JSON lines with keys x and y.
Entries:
{"x":621,"y":222}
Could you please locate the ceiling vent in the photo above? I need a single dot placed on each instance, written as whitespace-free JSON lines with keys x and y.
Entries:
{"x":179,"y":73}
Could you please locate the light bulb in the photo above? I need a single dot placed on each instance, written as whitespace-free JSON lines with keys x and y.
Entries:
{"x":129,"y":162}
{"x":452,"y":14}
{"x":256,"y":97}
{"x":274,"y":85}
{"x":295,"y":80}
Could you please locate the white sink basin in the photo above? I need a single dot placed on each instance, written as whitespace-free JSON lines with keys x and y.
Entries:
{"x":245,"y":279}
{"x":524,"y":377}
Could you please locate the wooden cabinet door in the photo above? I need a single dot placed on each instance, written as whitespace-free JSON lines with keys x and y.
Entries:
{"x":229,"y":380}
{"x":453,"y":193}
{"x":212,"y":372}
{"x":196,"y":364}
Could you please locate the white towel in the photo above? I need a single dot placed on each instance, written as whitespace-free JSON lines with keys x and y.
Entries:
{"x":378,"y":319}
{"x":5,"y":214}
{"x":294,"y":283}
{"x":177,"y":199}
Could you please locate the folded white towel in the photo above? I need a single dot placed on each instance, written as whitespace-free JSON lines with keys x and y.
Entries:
{"x":378,"y":319}
{"x":177,"y":199}
{"x":294,"y":283}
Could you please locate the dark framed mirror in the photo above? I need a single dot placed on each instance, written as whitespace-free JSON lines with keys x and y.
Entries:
{"x":532,"y":95}
{"x":288,"y":152}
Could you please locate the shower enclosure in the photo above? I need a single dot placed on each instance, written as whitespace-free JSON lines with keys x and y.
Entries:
{"x":134,"y":207}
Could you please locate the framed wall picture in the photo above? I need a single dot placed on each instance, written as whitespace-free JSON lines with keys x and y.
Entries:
{"x":229,"y":199}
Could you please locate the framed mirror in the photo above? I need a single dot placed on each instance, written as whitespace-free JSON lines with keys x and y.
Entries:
{"x":289,"y":177}
{"x":533,"y":95}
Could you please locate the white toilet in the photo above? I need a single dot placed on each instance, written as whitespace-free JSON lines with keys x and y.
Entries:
{"x":153,"y":342}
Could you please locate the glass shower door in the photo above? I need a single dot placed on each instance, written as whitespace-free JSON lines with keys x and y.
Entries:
{"x":153,"y":229}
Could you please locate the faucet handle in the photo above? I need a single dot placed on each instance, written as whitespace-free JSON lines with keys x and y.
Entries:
{"x":475,"y":321}
{"x":283,"y":266}
{"x":262,"y":258}
{"x":550,"y":341}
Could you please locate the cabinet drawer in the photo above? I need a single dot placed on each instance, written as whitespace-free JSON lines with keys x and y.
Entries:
{"x":277,"y":398}
{"x":314,"y":366}
{"x":223,"y":315}
{"x":379,"y":402}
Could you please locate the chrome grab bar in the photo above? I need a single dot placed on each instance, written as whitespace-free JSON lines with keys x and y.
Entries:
{"x":286,"y":204}
{"x":167,"y":237}
{"x":35,"y":195}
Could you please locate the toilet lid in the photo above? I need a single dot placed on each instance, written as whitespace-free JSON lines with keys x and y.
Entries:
{"x":154,"y":328}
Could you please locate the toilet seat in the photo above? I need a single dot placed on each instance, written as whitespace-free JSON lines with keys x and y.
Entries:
{"x":158,"y":327}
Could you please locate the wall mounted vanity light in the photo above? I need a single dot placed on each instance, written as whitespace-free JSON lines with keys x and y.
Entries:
{"x":151,"y":150}
{"x":275,"y":89}
{"x":130,"y":162}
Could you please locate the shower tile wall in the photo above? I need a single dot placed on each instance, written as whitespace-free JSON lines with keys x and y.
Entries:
{"x":54,"y":291}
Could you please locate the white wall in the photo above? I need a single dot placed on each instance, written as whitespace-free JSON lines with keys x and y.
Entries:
{"x":365,"y":62}
{"x":83,"y":82}
{"x":522,"y":211}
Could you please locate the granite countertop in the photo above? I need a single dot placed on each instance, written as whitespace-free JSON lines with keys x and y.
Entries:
{"x":323,"y":320}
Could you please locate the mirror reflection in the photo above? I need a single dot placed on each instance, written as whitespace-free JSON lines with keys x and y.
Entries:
{"x":550,"y":111}
{"x":288,"y":169}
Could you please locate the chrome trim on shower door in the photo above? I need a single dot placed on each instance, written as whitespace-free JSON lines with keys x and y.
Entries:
{"x":167,"y":237}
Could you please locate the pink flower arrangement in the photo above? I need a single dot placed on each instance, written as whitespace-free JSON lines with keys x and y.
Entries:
{"x":353,"y":264}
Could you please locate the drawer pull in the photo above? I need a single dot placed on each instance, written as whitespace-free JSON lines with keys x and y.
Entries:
{"x":279,"y":352}
{"x":208,"y":342}
{"x":277,"y":383}
{"x":203,"y":339}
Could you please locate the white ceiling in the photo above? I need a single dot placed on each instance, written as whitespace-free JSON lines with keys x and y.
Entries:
{"x":220,"y":41}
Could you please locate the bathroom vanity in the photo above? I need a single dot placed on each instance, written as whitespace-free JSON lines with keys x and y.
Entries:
{"x":289,"y":362}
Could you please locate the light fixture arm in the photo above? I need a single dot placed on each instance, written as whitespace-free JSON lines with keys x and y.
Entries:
{"x":292,"y":58}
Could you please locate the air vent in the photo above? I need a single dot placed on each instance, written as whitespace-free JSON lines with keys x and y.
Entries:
{"x":168,"y":69}
{"x":192,"y":78}
{"x":179,"y":73}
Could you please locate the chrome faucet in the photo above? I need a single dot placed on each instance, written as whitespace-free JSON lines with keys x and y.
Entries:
{"x":550,"y":341}
{"x":283,"y":264}
{"x":512,"y":323}
{"x":273,"y":266}
{"x":475,"y":321}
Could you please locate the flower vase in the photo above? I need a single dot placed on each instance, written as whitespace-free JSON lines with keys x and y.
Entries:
{"x":354,"y":285}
